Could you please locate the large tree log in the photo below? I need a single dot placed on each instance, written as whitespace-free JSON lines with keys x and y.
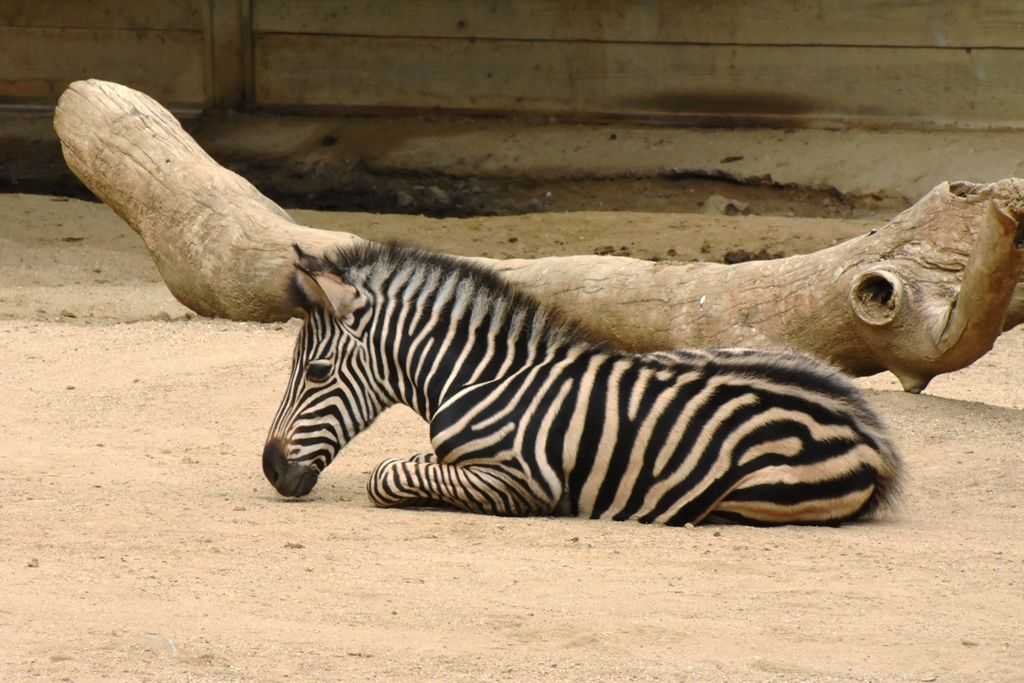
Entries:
{"x":925,"y":294}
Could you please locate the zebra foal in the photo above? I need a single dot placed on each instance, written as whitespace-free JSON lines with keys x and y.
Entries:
{"x":527,"y":416}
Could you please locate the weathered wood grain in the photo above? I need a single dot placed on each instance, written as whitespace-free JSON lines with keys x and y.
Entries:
{"x":172,"y":15}
{"x":943,"y":23}
{"x":40,"y":62}
{"x":229,"y":53}
{"x":879,"y":85}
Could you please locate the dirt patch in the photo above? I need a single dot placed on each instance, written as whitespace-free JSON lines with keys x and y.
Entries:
{"x":446,"y":167}
{"x":142,"y":542}
{"x":442,"y":196}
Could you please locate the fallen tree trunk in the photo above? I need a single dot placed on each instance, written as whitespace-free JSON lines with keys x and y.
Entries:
{"x":925,"y":294}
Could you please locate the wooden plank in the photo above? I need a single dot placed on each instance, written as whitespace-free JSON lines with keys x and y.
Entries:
{"x":229,"y":62}
{"x":923,"y":85}
{"x":39,"y":63}
{"x":176,"y":15}
{"x":919,"y":23}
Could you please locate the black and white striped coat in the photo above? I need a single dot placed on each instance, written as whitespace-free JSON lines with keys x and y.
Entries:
{"x":528,"y":416}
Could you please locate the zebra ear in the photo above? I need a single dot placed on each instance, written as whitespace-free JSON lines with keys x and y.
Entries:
{"x":342,"y":298}
{"x":324,"y":290}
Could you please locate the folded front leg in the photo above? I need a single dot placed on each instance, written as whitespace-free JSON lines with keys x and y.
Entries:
{"x":422,"y":481}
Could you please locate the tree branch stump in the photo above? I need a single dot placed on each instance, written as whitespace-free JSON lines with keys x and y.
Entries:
{"x":925,"y":294}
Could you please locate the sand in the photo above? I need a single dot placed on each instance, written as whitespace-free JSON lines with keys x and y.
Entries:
{"x":142,"y":543}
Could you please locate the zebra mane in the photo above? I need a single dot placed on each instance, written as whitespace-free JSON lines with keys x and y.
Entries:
{"x":361,"y":262}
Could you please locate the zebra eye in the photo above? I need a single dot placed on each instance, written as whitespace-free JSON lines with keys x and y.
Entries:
{"x":318,"y":370}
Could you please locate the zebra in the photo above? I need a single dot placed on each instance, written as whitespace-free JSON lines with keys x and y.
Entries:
{"x":530,"y":415}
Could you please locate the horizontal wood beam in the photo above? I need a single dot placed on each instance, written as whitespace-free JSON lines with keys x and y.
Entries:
{"x":172,"y":15}
{"x":939,"y":24}
{"x":38,"y":63}
{"x":927,"y":86}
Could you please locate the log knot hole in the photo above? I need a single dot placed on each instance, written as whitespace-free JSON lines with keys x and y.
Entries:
{"x":875,"y":297}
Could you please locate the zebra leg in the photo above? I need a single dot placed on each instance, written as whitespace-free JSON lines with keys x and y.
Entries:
{"x":422,"y":480}
{"x":429,"y":456}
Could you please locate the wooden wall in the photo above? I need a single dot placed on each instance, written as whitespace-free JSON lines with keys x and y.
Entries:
{"x":789,"y":62}
{"x":159,"y":47}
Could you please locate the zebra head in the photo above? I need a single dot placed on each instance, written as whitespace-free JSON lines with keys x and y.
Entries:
{"x":329,"y":398}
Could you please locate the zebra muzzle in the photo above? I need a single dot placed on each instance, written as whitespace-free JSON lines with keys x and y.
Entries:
{"x":290,"y":479}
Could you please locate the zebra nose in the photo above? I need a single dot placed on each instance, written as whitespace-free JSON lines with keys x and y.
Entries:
{"x":289,"y":478}
{"x":274,"y":462}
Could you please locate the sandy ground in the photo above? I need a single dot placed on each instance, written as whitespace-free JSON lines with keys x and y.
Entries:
{"x":141,"y":542}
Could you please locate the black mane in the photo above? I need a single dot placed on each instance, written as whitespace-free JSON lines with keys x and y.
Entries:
{"x":484,"y":281}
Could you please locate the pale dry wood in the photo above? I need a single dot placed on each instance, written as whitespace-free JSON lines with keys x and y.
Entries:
{"x":945,"y":23}
{"x":928,"y":293}
{"x":657,"y":80}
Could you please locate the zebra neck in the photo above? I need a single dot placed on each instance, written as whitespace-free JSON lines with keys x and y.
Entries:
{"x":445,"y":354}
{"x":438,"y":327}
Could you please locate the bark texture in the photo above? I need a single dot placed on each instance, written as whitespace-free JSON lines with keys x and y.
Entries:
{"x":927,"y":293}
